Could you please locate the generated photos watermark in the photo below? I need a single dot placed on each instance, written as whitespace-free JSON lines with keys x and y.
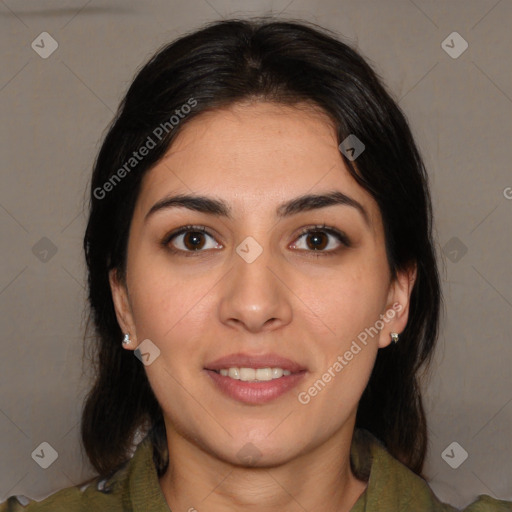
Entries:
{"x":137,"y":156}
{"x":304,"y":397}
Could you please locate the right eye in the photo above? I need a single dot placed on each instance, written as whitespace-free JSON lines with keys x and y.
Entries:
{"x":188,"y":239}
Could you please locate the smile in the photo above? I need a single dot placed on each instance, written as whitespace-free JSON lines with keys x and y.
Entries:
{"x":253,"y":374}
{"x":249,"y":389}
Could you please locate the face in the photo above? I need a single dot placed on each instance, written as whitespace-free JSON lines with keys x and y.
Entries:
{"x":258,"y":280}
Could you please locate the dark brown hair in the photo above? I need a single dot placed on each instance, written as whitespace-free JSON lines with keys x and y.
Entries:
{"x":290,"y":63}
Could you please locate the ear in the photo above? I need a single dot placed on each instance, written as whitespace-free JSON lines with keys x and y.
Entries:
{"x":396,"y":313}
{"x":122,"y":307}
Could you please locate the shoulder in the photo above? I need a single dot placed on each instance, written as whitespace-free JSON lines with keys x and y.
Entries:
{"x":71,"y":499}
{"x":133,"y":486}
{"x":485,"y":503}
{"x":392,"y":486}
{"x":98,"y":493}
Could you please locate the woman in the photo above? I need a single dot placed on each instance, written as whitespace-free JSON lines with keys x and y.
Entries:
{"x":260,"y":240}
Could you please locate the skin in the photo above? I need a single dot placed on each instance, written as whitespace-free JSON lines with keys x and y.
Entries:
{"x":255,"y":156}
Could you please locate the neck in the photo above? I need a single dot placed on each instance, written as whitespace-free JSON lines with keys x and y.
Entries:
{"x":197,"y":480}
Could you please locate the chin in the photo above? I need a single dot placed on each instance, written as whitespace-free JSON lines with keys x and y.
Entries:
{"x":264,"y":452}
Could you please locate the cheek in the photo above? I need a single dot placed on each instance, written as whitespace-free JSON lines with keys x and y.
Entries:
{"x":153,"y":297}
{"x":350,"y":299}
{"x":349,"y":306}
{"x":170,"y":307}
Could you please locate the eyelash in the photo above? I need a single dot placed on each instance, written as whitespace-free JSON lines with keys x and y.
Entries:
{"x":340,"y":236}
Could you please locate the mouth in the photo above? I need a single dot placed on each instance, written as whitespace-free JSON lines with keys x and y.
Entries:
{"x":254,"y":380}
{"x":253,"y":374}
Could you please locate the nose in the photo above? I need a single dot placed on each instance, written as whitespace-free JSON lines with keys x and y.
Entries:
{"x":254,"y":296}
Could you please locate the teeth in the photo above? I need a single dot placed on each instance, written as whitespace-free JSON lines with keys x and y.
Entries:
{"x":234,"y":373}
{"x":254,"y":375}
{"x":247,"y":374}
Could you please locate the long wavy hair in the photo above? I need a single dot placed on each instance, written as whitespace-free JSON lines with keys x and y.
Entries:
{"x":288,"y":62}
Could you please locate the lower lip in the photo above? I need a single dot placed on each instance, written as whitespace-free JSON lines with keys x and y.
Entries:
{"x":255,"y":393}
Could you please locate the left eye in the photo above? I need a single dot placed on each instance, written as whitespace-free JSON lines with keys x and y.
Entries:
{"x":317,"y":239}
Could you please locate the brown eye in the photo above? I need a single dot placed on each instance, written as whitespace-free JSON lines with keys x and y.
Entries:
{"x":188,"y":240}
{"x":193,"y":240}
{"x":320,"y":239}
{"x":316,"y":240}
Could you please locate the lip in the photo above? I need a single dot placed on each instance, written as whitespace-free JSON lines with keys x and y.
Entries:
{"x":242,"y":360}
{"x":255,"y":393}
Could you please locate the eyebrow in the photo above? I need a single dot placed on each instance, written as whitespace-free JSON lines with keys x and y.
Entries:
{"x":296,"y":205}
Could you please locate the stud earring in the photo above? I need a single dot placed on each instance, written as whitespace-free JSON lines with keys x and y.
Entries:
{"x":394,"y":337}
{"x":126,"y":340}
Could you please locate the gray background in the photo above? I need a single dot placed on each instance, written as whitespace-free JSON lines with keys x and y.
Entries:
{"x":55,"y":111}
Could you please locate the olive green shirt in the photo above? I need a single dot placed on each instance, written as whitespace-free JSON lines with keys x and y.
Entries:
{"x":392,"y":487}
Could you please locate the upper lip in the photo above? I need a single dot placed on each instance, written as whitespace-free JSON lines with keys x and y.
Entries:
{"x":241,"y":360}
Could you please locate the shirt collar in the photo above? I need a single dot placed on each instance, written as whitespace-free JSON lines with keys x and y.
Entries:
{"x":385,"y":476}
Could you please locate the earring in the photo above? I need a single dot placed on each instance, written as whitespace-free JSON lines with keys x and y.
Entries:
{"x":394,"y":337}
{"x":126,"y":340}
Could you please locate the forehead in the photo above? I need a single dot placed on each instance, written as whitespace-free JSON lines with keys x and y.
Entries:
{"x":252,"y":154}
